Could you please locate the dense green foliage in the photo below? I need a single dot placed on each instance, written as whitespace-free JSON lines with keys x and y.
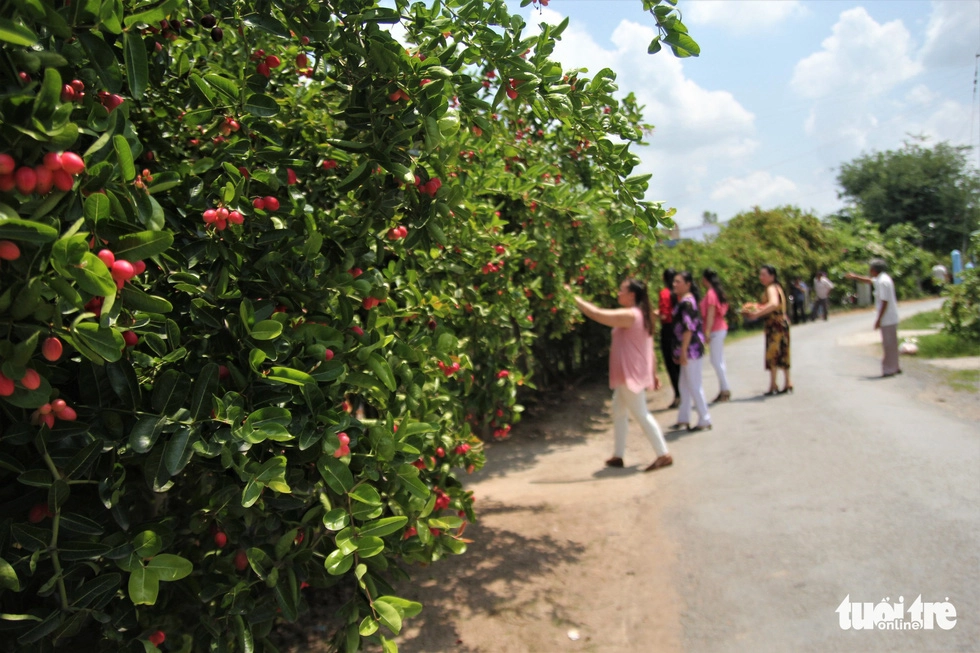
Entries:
{"x":283,"y":275}
{"x":935,"y":190}
{"x":961,"y":310}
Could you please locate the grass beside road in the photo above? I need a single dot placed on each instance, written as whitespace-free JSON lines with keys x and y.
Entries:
{"x":945,"y":345}
{"x":926,"y":320}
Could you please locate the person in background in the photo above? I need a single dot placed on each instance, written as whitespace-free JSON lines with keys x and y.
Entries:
{"x":666,"y":314}
{"x":714,"y":307}
{"x":773,"y":308}
{"x":632,"y":367}
{"x":688,"y":351}
{"x":821,"y":290}
{"x":797,"y":292}
{"x":886,"y":309}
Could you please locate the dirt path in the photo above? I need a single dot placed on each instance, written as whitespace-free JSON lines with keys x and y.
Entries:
{"x":850,"y":486}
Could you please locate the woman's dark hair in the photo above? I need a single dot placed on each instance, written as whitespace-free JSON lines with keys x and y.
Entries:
{"x":669,"y":274}
{"x":642,"y":297}
{"x":771,"y":270}
{"x":715,"y":282}
{"x":686,"y":276}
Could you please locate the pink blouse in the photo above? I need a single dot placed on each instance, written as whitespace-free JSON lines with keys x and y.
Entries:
{"x":631,"y":356}
{"x":711,"y":299}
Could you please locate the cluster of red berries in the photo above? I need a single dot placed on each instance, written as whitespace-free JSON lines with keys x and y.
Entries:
{"x":228,"y":126}
{"x":73,"y":91}
{"x":398,"y":94}
{"x":267,"y":203}
{"x":344,"y":448}
{"x":492,"y":267}
{"x":448,"y":370}
{"x":47,"y":413}
{"x":430,"y":187}
{"x":110,"y":100}
{"x":442,"y":499}
{"x":31,"y":380}
{"x":462,"y":448}
{"x":266,"y":63}
{"x":397,"y":233}
{"x":121,"y":269}
{"x":370,"y":302}
{"x":328,"y":164}
{"x":58,"y":170}
{"x":221,"y":217}
{"x":502,"y":432}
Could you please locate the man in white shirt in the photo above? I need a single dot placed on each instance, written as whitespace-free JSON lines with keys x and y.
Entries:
{"x":821,"y":288}
{"x":886,"y":309}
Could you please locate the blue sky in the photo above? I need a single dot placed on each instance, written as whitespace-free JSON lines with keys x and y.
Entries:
{"x":784,"y":91}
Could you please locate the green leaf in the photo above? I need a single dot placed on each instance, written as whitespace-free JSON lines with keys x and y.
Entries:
{"x":144,"y":586}
{"x":145,"y":433}
{"x":366,"y":494}
{"x":136,"y":300}
{"x":8,"y":577}
{"x":96,"y":207}
{"x":142,"y":245}
{"x":179,"y":450}
{"x":336,"y":474}
{"x":122,"y":378}
{"x":26,"y":231}
{"x":243,"y":632}
{"x":105,"y":342}
{"x":266,"y":330}
{"x":137,"y":71}
{"x":369,"y":546}
{"x":262,"y":106}
{"x":93,"y":276}
{"x":381,"y":368}
{"x":204,"y":388}
{"x":407,"y":609}
{"x":124,"y":154}
{"x":336,"y":519}
{"x":169,"y":567}
{"x":16,"y":33}
{"x":96,"y":590}
{"x":223,"y":85}
{"x":337,"y":563}
{"x":388,"y":615}
{"x":147,"y":544}
{"x":382,"y":527}
{"x":289,"y":375}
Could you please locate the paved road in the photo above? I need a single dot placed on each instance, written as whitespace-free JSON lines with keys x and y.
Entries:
{"x":848,"y":487}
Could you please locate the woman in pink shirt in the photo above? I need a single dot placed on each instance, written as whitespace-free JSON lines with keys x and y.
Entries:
{"x":632,"y":367}
{"x":713,"y":310}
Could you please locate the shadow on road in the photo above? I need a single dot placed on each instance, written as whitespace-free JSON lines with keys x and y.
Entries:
{"x":556,"y":420}
{"x":498,"y":566}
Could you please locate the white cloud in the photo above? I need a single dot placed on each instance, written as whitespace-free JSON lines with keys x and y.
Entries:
{"x":951,"y":37}
{"x":743,"y":16}
{"x":757,"y":188}
{"x":860,"y":57}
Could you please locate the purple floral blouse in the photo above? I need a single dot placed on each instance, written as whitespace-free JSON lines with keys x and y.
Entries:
{"x":687,"y":317}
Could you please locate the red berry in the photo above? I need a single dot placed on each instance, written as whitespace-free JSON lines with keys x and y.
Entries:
{"x":67,"y":414}
{"x":62,"y":180}
{"x":139,"y":267}
{"x":235,"y":217}
{"x":31,"y":380}
{"x":328,"y":355}
{"x":122,"y":271}
{"x":358,"y":330}
{"x":7,"y":164}
{"x":258,"y":203}
{"x":107,"y":257}
{"x":290,"y":176}
{"x":157,"y":638}
{"x":304,"y":40}
{"x":44,"y":180}
{"x":52,"y":161}
{"x":220,"y":539}
{"x":130,"y":338}
{"x":272,"y":61}
{"x":440,"y":452}
{"x":210,"y":216}
{"x":72,"y":163}
{"x":58,"y":405}
{"x":26,"y":180}
{"x":6,"y":386}
{"x":241,"y":560}
{"x":343,"y":438}
{"x":271,"y":203}
{"x":38,"y":513}
{"x":24,"y":77}
{"x":51,"y":349}
{"x":263,"y":69}
{"x":9,"y":251}
{"x":302,"y":60}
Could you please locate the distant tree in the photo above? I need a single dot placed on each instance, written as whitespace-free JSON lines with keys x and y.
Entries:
{"x":709,"y":217}
{"x":936,"y":190}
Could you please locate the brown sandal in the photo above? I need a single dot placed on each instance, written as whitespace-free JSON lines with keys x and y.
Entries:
{"x":615,"y":461}
{"x":662,"y":461}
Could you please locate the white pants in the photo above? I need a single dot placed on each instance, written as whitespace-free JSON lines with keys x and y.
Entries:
{"x":626,"y":401}
{"x":718,"y":358}
{"x":692,"y":391}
